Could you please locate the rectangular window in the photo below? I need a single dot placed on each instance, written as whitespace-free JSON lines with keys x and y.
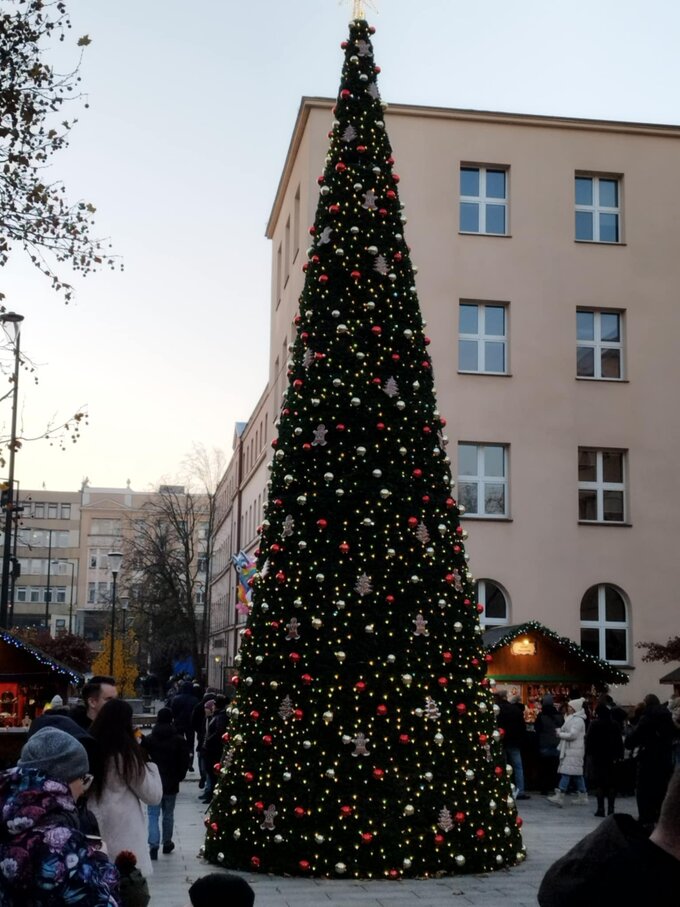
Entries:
{"x":286,"y":253}
{"x":66,"y":511}
{"x":482,"y":337}
{"x":39,"y":511}
{"x":296,"y":224}
{"x":601,"y":486}
{"x":599,"y":344}
{"x":484,"y":200}
{"x":598,"y":209}
{"x":52,"y":511}
{"x":91,"y":593}
{"x":482,"y":479}
{"x":279,"y":274}
{"x":20,"y":593}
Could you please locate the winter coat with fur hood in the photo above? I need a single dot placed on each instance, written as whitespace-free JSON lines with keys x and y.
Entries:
{"x":572,"y":736}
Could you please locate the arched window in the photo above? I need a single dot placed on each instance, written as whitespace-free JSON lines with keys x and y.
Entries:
{"x":495,"y":601}
{"x":605,"y":623}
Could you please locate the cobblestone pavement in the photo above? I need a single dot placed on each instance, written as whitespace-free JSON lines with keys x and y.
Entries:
{"x":548,"y":833}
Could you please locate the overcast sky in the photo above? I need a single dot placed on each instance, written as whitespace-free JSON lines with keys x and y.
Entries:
{"x":191,"y":110}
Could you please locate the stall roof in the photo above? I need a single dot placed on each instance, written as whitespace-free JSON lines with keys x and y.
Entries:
{"x":673,"y":677}
{"x":496,"y":637}
{"x":50,"y":663}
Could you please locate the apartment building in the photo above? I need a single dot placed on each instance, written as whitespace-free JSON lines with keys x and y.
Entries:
{"x":548,"y":277}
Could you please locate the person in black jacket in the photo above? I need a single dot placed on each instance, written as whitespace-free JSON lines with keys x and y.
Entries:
{"x":510,"y":720}
{"x":604,"y":751}
{"x":214,"y":744}
{"x":182,"y":706}
{"x":170,"y":751}
{"x":545,"y":727}
{"x":652,"y":737}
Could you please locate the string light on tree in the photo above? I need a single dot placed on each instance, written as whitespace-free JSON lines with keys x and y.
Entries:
{"x":363,"y":744}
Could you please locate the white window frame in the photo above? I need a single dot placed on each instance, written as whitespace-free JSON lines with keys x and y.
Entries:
{"x":481,"y":480}
{"x":598,"y":345}
{"x":600,"y":486}
{"x":596,"y":208}
{"x":602,"y":624}
{"x":482,"y":200}
{"x":481,"y":599}
{"x":481,"y":337}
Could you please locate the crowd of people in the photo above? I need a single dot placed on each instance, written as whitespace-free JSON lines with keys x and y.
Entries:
{"x":91,"y":801}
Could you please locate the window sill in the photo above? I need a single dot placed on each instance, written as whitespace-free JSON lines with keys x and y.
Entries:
{"x":486,"y":374}
{"x":598,"y":242}
{"x":604,"y":523}
{"x":495,"y":235}
{"x":603,"y":380}
{"x":486,"y":519}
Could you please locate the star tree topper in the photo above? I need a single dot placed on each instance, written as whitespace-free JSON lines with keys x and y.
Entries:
{"x":359,"y":7}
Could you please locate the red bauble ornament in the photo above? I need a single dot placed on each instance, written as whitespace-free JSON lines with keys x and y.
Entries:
{"x":380,"y":426}
{"x":306,"y":446}
{"x":362,"y":149}
{"x":383,"y":212}
{"x":281,"y":577}
{"x":312,"y":230}
{"x":381,"y":709}
{"x":345,"y":93}
{"x":259,"y":805}
{"x":461,"y":708}
{"x":254,"y":714}
{"x":413,"y":521}
{"x":483,"y":739}
{"x":426,"y":499}
{"x":450,"y":503}
{"x":306,"y":678}
{"x":404,"y":738}
{"x":371,"y":30}
{"x":450,"y":578}
{"x":319,"y":356}
{"x":323,"y":278}
{"x":425,"y":364}
{"x":294,"y":656}
{"x":360,"y":685}
{"x":475,"y":662}
{"x":346,"y":810}
{"x":304,"y":865}
{"x":427,"y":341}
{"x":322,"y":523}
{"x":299,"y":811}
{"x":417,"y":473}
{"x":216,"y":767}
{"x":343,"y":44}
{"x":376,"y":329}
{"x":480,"y":608}
{"x":214,"y":826}
{"x":316,"y":259}
{"x":275,"y":548}
{"x":378,"y":773}
{"x":439,"y":839}
{"x":236,"y":680}
{"x":459,"y":817}
{"x":467,"y":602}
{"x":355,"y":275}
{"x":341,"y":167}
{"x":427,"y":430}
{"x":298,"y":714}
{"x":389,"y":599}
{"x":225,"y":736}
{"x":367,"y":837}
{"x":397,"y":256}
{"x":340,"y":426}
{"x":248,"y":632}
{"x":255,"y":862}
{"x":480,"y":833}
{"x":391,"y":193}
{"x":248,"y":776}
{"x":267,"y":739}
{"x":396,"y":357}
{"x":334,"y":209}
{"x":442,"y":681}
{"x":344,"y":547}
{"x":442,"y":421}
{"x":377,"y":381}
{"x":393,"y":873}
{"x":396,"y":177}
{"x":519,"y":821}
{"x":488,"y":658}
{"x":389,"y":160}
{"x":447,"y":656}
{"x":456,"y":549}
{"x":498,"y":771}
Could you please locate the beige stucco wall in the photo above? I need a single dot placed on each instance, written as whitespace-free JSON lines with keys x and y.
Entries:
{"x":542,"y":556}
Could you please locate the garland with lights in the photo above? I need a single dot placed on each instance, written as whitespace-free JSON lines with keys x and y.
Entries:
{"x":73,"y":676}
{"x":362,"y":739}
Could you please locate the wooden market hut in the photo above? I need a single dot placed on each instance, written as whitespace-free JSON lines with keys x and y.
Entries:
{"x":530,"y":660}
{"x":28,"y":680}
{"x":674,"y":679}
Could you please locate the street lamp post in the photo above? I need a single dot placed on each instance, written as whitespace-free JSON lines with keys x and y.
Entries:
{"x":115,"y":559}
{"x":14,"y":319}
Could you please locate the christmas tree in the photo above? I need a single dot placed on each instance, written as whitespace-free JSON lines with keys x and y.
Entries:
{"x":362,"y":738}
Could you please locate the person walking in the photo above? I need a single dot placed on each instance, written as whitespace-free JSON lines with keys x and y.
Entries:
{"x":572,"y":736}
{"x":604,"y":751}
{"x":182,"y":706}
{"x":546,"y":725}
{"x":200,"y":718}
{"x":510,"y":720}
{"x":214,"y":744}
{"x":45,"y":859}
{"x":126,"y":782}
{"x":170,"y":752}
{"x":652,"y":737}
{"x":94,"y":695}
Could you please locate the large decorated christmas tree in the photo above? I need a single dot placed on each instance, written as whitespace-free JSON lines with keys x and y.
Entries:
{"x":362,"y":738}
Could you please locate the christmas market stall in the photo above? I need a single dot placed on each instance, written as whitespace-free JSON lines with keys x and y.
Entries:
{"x":530,"y":661}
{"x":28,"y":680}
{"x":674,"y":679}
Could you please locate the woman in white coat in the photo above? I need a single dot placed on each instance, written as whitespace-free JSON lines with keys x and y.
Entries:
{"x":572,"y":736}
{"x":124,"y":782}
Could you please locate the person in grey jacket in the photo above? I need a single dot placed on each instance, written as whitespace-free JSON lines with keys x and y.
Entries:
{"x":572,"y":736}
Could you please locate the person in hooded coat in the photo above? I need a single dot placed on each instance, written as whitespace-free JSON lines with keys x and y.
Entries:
{"x":182,"y":705}
{"x":652,"y":737}
{"x":170,"y":751}
{"x":45,"y":859}
{"x":546,"y":725}
{"x":604,"y":751}
{"x":572,"y":736}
